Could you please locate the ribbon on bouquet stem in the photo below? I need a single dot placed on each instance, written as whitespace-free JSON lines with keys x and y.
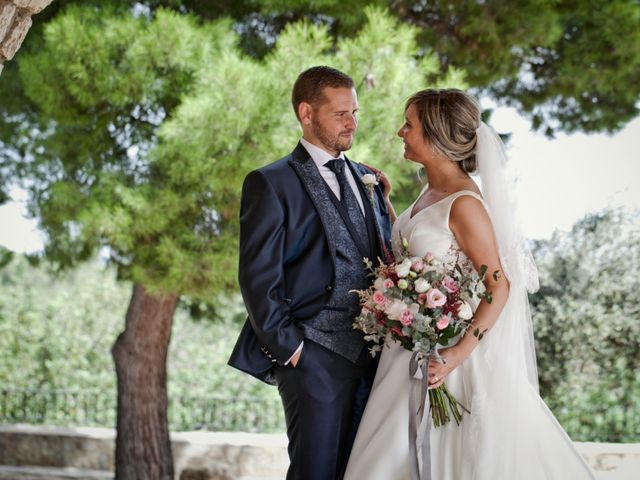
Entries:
{"x":418,"y":423}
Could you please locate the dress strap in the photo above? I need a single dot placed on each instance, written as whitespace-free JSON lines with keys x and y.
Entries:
{"x":454,"y":196}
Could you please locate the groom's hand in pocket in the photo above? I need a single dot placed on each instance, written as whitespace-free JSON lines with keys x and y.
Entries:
{"x":296,"y":357}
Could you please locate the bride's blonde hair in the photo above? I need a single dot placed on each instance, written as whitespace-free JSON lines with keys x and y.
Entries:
{"x":449,"y":119}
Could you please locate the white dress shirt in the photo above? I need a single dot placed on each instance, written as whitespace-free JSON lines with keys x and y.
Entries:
{"x":320,"y":157}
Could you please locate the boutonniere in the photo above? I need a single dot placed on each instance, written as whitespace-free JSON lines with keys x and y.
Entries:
{"x":370,"y":180}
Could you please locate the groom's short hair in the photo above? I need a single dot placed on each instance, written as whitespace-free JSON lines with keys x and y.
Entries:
{"x":310,"y":84}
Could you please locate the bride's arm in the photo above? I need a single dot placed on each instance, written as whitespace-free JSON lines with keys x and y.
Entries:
{"x":392,"y":211}
{"x":473,"y":230}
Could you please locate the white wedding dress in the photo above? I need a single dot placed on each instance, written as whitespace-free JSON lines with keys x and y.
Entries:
{"x":509,"y":434}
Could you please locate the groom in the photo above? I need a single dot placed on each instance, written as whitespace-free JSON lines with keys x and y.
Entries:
{"x":306,"y":223}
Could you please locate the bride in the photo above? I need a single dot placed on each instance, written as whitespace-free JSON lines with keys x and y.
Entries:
{"x":509,"y":433}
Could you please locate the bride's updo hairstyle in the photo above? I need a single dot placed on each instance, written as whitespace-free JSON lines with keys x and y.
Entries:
{"x":449,"y":119}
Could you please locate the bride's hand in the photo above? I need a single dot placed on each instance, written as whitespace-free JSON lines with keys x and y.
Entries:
{"x":438,"y":371}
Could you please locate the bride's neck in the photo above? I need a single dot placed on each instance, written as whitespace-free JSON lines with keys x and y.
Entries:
{"x":443,"y":173}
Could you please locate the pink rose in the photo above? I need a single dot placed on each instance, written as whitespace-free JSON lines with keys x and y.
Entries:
{"x":443,"y":322}
{"x":428,"y":257}
{"x":417,"y":266}
{"x":379,"y":298}
{"x":422,"y":298}
{"x":388,"y":283}
{"x":435,"y":298}
{"x":450,"y":284}
{"x":406,"y":317}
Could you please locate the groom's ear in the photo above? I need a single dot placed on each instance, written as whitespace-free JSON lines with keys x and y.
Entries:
{"x":304,"y":113}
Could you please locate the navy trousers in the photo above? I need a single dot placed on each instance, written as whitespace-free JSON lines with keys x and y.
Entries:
{"x":324,"y":397}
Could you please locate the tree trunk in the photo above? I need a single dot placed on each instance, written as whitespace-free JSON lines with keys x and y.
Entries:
{"x":143,"y":448}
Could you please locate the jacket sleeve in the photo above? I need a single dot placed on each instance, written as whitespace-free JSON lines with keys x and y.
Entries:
{"x":261,"y":271}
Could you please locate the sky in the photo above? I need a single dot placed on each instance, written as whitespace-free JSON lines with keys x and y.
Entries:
{"x":558,"y":181}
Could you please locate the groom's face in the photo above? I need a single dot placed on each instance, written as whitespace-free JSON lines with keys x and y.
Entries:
{"x":332,"y":124}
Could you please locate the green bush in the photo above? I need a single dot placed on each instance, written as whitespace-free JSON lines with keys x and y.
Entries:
{"x":56,"y":333}
{"x":587,"y":326}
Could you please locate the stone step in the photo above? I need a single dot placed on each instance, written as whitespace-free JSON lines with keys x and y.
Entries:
{"x":209,"y":455}
{"x":52,"y":473}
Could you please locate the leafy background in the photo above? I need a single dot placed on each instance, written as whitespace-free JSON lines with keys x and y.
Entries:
{"x":56,"y":331}
{"x":130,"y":124}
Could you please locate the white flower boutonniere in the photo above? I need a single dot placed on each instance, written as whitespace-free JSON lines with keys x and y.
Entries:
{"x":370,"y":180}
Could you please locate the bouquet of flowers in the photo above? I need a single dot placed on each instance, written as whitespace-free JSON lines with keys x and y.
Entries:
{"x":423,"y":303}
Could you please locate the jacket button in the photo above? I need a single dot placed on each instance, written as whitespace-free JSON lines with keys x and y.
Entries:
{"x":328,"y":288}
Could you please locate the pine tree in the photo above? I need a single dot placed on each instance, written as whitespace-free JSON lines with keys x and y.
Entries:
{"x":147,"y":126}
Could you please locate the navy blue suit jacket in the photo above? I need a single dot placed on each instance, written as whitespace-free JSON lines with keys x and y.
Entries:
{"x":286,"y":269}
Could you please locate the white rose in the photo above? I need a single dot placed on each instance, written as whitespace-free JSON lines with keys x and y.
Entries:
{"x":394,"y":309}
{"x":421,"y":285}
{"x":369,"y":179}
{"x":404,"y":268}
{"x":379,"y":283}
{"x":464,"y":311}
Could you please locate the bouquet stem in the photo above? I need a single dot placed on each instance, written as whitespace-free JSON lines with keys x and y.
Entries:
{"x":443,"y":405}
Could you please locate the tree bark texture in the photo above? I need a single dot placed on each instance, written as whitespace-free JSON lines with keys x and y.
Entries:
{"x":143,"y":448}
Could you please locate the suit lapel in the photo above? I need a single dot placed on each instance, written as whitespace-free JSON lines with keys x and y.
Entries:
{"x":372,"y":206}
{"x":314,"y":185}
{"x":317,"y":188}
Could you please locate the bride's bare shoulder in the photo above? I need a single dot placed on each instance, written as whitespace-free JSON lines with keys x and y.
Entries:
{"x":468,"y":211}
{"x":470,"y":223}
{"x":469,"y":185}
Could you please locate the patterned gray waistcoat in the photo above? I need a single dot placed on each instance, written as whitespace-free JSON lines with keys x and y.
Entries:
{"x":332,"y":327}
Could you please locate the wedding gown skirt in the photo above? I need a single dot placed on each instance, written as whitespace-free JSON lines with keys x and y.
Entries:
{"x":510,"y":432}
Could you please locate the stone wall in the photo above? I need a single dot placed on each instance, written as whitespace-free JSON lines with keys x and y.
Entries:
{"x":62,"y":453}
{"x":88,"y":453}
{"x":15,"y":22}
